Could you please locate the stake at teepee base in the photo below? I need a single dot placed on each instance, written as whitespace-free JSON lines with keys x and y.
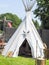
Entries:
{"x":41,"y":61}
{"x":10,"y":54}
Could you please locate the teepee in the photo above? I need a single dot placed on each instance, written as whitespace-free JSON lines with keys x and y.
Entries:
{"x":27,"y":31}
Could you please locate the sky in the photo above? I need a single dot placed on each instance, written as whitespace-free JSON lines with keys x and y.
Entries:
{"x":15,"y":7}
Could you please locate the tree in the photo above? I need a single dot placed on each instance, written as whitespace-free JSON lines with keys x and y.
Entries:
{"x":42,"y":12}
{"x":14,"y":18}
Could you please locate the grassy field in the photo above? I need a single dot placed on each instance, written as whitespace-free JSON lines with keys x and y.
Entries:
{"x":18,"y":61}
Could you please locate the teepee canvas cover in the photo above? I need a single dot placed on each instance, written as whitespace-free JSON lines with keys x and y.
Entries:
{"x":27,"y":31}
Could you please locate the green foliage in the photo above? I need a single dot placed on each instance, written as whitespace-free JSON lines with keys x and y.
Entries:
{"x":1,"y":31}
{"x":43,"y":12}
{"x":14,"y":18}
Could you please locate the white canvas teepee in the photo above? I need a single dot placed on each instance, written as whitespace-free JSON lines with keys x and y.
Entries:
{"x":27,"y":31}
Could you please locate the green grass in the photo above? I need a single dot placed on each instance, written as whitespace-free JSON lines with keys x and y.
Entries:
{"x":47,"y":62}
{"x":18,"y":61}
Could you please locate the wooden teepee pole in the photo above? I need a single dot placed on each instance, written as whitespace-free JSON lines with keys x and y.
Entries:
{"x":36,"y":53}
